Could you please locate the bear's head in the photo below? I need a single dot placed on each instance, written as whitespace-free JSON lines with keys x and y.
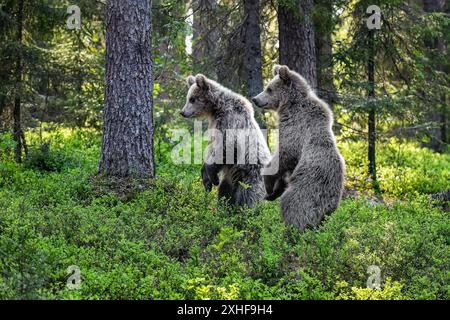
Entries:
{"x":278,"y":90}
{"x":198,"y":103}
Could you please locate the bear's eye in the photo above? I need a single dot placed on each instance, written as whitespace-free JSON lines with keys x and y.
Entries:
{"x":192,"y":100}
{"x":269,"y":90}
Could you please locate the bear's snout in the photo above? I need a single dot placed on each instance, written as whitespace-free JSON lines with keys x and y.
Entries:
{"x":184,"y":115}
{"x":257,"y":102}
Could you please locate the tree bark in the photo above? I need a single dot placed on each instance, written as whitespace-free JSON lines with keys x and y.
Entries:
{"x":253,"y":52}
{"x":372,"y":112}
{"x":324,"y":46}
{"x":438,"y":133}
{"x":296,"y":38}
{"x":127,"y":147}
{"x":2,"y":104}
{"x":205,"y":37}
{"x":17,"y":122}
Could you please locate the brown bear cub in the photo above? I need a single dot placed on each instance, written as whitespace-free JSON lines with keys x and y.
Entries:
{"x":310,"y":179}
{"x":237,"y":150}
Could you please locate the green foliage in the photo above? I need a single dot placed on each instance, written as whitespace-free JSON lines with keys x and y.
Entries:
{"x":44,"y":158}
{"x":390,"y":291}
{"x":7,"y":145}
{"x":404,"y":170}
{"x":168,"y":239}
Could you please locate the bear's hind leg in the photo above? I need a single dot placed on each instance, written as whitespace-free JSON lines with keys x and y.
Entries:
{"x":298,"y":209}
{"x":225,"y":191}
{"x":248,"y":193}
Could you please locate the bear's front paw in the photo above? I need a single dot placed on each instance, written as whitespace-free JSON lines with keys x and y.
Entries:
{"x":206,"y":181}
{"x":269,"y":181}
{"x":270,"y":197}
{"x":215,"y":180}
{"x":211,"y":172}
{"x":207,"y":185}
{"x":277,"y":191}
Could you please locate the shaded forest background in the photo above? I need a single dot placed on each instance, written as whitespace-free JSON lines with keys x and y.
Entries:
{"x":391,"y":82}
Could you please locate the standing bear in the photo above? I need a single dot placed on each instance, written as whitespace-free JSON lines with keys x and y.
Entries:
{"x":237,"y":150}
{"x":310,"y":178}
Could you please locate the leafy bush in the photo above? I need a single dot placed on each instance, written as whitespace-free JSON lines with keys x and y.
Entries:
{"x":404,"y":169}
{"x":7,"y":145}
{"x":43,"y":158}
{"x":170,"y":240}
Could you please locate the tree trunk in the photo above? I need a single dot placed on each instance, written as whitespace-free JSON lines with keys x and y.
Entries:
{"x":372,"y":113}
{"x":17,"y":125}
{"x":324,"y":46}
{"x":2,"y":105}
{"x":205,"y":37}
{"x":127,"y":148}
{"x":438,"y":133}
{"x":253,"y":52}
{"x":296,"y":38}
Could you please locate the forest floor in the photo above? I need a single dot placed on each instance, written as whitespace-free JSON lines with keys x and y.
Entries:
{"x":168,"y":239}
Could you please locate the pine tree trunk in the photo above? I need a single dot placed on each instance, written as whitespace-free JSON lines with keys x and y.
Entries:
{"x":296,"y":38}
{"x":17,"y":122}
{"x":253,"y":52}
{"x":127,"y":148}
{"x":205,"y":37}
{"x":372,"y":113}
{"x":324,"y":47}
{"x":438,"y":133}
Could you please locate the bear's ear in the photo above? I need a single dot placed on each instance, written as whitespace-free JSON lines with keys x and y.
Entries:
{"x":190,"y":81}
{"x":201,"y":81}
{"x":283,"y":72}
{"x":276,"y":69}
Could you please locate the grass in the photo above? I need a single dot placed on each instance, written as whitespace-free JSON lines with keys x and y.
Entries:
{"x":168,"y":239}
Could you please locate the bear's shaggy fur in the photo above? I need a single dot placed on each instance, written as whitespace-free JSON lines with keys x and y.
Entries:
{"x":240,"y":181}
{"x":311,"y":171}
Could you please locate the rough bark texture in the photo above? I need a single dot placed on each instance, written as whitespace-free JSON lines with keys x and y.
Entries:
{"x":17,"y":126}
{"x":205,"y":37}
{"x":438,"y":133}
{"x":297,"y":40}
{"x":253,"y":52}
{"x":372,"y":113}
{"x":323,"y":30}
{"x":127,"y":148}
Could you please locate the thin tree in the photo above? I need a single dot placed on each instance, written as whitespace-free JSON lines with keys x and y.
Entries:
{"x":127,"y":148}
{"x":437,"y":134}
{"x":297,"y":39}
{"x":17,"y":122}
{"x":323,"y":27}
{"x":253,"y":51}
{"x":205,"y":36}
{"x":372,"y":137}
{"x":25,"y":28}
